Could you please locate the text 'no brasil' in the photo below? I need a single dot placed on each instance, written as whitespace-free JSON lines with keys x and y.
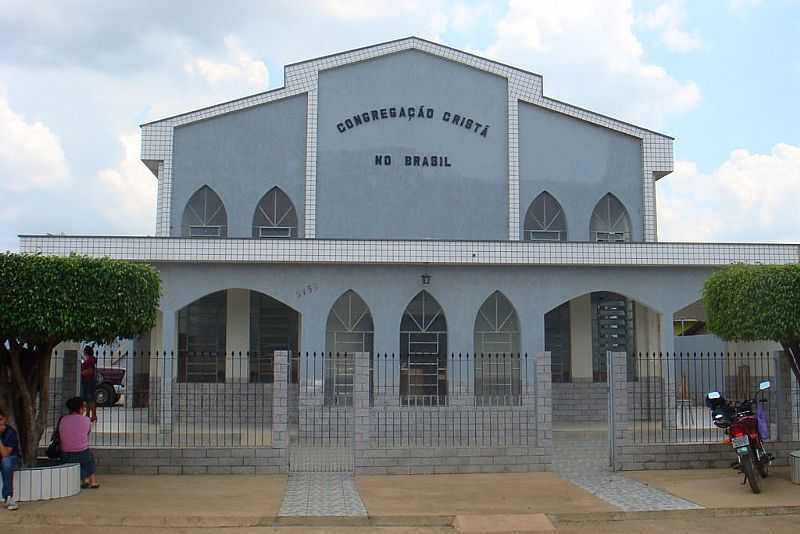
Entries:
{"x":413,"y":113}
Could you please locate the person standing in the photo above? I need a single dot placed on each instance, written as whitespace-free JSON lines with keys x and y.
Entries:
{"x":9,"y":459}
{"x":89,"y":381}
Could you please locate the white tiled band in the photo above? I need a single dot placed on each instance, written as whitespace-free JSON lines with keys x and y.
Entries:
{"x":303,"y":77}
{"x":324,"y":251}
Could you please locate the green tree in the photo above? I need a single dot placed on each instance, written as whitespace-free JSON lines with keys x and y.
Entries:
{"x":45,"y":300}
{"x":756,"y":302}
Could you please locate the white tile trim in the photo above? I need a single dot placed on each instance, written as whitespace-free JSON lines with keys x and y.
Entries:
{"x":324,"y":251}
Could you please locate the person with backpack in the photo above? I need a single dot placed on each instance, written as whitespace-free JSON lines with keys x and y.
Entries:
{"x":73,"y":435}
{"x":9,"y":458}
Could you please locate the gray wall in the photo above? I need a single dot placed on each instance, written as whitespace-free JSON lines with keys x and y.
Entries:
{"x":357,"y":199}
{"x":241,"y":156}
{"x":387,"y":290}
{"x":578,"y":163}
{"x":705,"y":343}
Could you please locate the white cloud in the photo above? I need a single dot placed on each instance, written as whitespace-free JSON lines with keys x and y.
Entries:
{"x":430,"y":16}
{"x":126,"y":194}
{"x":667,"y":19}
{"x":590,"y":56}
{"x":31,"y":156}
{"x":239,"y":66}
{"x":741,"y":7}
{"x":750,"y":197}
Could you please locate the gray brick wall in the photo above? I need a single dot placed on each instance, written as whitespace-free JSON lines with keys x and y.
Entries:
{"x":409,"y":461}
{"x":693,"y":456}
{"x":144,"y":461}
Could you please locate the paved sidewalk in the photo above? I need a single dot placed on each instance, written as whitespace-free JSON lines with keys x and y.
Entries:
{"x":322,"y":494}
{"x":474,"y":494}
{"x":583,"y":460}
{"x":723,"y":488}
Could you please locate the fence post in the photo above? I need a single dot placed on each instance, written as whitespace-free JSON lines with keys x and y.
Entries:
{"x":783,"y":397}
{"x":617,"y":365}
{"x":280,"y":406}
{"x":167,"y":375}
{"x":360,"y":407}
{"x":540,"y":397}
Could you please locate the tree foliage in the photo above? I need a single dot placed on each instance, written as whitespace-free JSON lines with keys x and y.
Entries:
{"x":45,"y":300}
{"x":756,"y":302}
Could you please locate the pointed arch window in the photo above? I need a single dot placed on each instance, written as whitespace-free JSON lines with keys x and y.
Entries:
{"x":497,"y":347}
{"x":423,"y":352}
{"x":349,"y":329}
{"x":545,"y":220}
{"x":610,"y":222}
{"x":204,"y":215}
{"x":275,"y":216}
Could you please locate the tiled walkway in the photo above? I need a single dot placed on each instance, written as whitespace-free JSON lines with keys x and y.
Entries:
{"x":584,"y":462}
{"x":322,"y":494}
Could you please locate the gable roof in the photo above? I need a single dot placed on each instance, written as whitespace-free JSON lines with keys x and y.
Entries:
{"x":298,"y":78}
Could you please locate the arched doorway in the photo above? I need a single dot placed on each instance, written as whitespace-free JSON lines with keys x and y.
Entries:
{"x":231,"y":336}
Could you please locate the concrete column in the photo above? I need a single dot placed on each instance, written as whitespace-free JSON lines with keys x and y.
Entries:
{"x":618,"y":407}
{"x":167,"y":370}
{"x":669,"y":375}
{"x":541,"y":398}
{"x":237,"y":336}
{"x":783,"y":398}
{"x":580,"y":326}
{"x":361,"y":406}
{"x":280,"y":406}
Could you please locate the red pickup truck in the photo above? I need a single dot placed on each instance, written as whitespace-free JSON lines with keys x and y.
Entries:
{"x":109,"y":386}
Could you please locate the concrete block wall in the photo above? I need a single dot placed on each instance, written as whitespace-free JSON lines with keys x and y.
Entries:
{"x":410,"y":461}
{"x":693,"y":456}
{"x":144,"y":461}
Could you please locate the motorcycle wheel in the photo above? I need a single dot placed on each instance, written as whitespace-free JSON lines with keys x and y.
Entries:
{"x":763,"y":469}
{"x":750,"y":473}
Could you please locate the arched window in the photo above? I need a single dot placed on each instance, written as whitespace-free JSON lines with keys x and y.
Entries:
{"x":423,"y":352}
{"x":204,"y":215}
{"x":497,"y":359}
{"x":545,"y":220}
{"x":610,"y":222}
{"x":349,"y":330}
{"x":349,"y":327}
{"x":275,"y":216}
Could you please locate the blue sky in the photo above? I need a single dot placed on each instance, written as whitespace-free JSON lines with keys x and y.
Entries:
{"x":721,"y":76}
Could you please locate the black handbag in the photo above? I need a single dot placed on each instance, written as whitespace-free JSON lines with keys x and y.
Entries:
{"x":54,"y":451}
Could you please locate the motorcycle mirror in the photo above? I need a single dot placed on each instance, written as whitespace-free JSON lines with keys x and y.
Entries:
{"x":714,"y":395}
{"x":764,"y":385}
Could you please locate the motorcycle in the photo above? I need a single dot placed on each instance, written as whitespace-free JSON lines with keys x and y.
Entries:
{"x":747,"y":430}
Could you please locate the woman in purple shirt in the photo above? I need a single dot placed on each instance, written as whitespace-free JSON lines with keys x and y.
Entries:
{"x":73,"y":432}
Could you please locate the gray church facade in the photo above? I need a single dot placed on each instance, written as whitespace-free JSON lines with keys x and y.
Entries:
{"x":412,"y":200}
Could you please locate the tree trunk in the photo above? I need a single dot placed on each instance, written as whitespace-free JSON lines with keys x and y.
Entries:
{"x":792,"y":349}
{"x":30,"y":379}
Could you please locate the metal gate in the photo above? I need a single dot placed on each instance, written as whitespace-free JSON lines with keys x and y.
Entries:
{"x":321,"y":435}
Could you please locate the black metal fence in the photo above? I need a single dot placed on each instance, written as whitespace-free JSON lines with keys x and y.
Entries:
{"x":487,"y":401}
{"x":182,"y":399}
{"x":666,"y":400}
{"x":164,"y":399}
